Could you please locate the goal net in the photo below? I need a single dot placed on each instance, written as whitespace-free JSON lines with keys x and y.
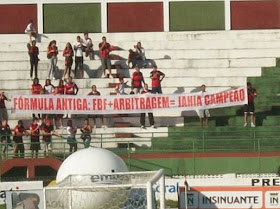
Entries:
{"x":129,"y":190}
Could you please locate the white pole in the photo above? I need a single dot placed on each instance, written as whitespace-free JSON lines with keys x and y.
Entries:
{"x":149,"y":195}
{"x":162,"y":192}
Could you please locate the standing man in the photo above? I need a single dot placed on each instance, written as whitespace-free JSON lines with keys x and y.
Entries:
{"x":70,"y":89}
{"x":94,"y":92}
{"x":5,"y":134}
{"x":3,"y":109}
{"x":33,"y":53}
{"x":150,"y":114}
{"x":203,"y":114}
{"x":19,"y":132}
{"x":156,"y":77}
{"x":250,"y":107}
{"x":136,"y":80}
{"x":79,"y":58}
{"x":105,"y":49}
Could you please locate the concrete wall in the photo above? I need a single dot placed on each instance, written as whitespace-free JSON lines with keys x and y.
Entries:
{"x":135,"y":17}
{"x":15,"y":17}
{"x":72,"y":18}
{"x":77,"y":16}
{"x":192,"y":16}
{"x":255,"y":15}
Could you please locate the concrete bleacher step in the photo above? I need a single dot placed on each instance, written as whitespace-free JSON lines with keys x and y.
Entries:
{"x":171,"y":54}
{"x":163,"y":121}
{"x":245,"y":35}
{"x":150,"y":45}
{"x":106,"y":91}
{"x":174,"y":73}
{"x":167,"y":82}
{"x":161,"y":63}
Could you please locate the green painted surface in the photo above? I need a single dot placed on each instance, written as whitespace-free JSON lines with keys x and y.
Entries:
{"x":204,"y":166}
{"x":72,"y":18}
{"x":192,"y":16}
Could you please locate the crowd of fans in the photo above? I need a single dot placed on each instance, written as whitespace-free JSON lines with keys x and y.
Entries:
{"x":45,"y":124}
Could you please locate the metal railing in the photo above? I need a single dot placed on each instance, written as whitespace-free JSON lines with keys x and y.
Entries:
{"x":192,"y":142}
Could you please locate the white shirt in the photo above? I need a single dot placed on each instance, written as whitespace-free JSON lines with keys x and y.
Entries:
{"x":70,"y":135}
{"x":29,"y":27}
{"x":78,"y":49}
{"x":140,"y":51}
{"x":120,"y":88}
{"x":48,"y":89}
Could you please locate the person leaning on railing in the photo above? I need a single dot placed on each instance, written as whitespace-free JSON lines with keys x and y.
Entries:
{"x":19,"y":132}
{"x":5,"y":133}
{"x":71,"y":139}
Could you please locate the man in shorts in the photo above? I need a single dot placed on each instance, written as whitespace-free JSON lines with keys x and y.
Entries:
{"x":105,"y":49}
{"x":250,"y":107}
{"x":203,"y":114}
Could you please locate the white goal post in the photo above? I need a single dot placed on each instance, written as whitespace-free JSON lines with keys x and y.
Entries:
{"x":126,"y":190}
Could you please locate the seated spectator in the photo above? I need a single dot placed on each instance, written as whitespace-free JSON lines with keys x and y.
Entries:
{"x":36,"y":89}
{"x":52,"y":53}
{"x":48,"y":88}
{"x":203,"y":114}
{"x":71,"y":139}
{"x":136,"y":80}
{"x":19,"y":132}
{"x":139,"y":54}
{"x":33,"y":52}
{"x":86,"y":131}
{"x":35,"y":137}
{"x":88,"y":47}
{"x":48,"y":131}
{"x":143,"y":115}
{"x":79,"y":57}
{"x":5,"y":133}
{"x":94,"y":92}
{"x":68,"y":54}
{"x":105,"y":49}
{"x":31,"y":30}
{"x":156,"y":77}
{"x":3,"y":109}
{"x":120,"y":87}
{"x":130,"y":57}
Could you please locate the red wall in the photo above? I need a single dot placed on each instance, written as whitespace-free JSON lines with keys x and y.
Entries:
{"x":14,"y":18}
{"x":135,"y":17}
{"x":255,"y":15}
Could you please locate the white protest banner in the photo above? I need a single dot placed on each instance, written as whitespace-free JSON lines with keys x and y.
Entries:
{"x":141,"y":103}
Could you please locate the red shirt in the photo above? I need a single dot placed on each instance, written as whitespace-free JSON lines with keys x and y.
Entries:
{"x":69,"y":88}
{"x":36,"y":88}
{"x":52,"y":54}
{"x":137,"y":78}
{"x":68,"y":51}
{"x":60,"y":89}
{"x":104,"y":53}
{"x":2,"y":101}
{"x":18,"y":130}
{"x":34,"y":135}
{"x":251,"y":95}
{"x":146,"y":92}
{"x":34,"y":51}
{"x":47,"y":129}
{"x":156,"y":78}
{"x":96,"y":93}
